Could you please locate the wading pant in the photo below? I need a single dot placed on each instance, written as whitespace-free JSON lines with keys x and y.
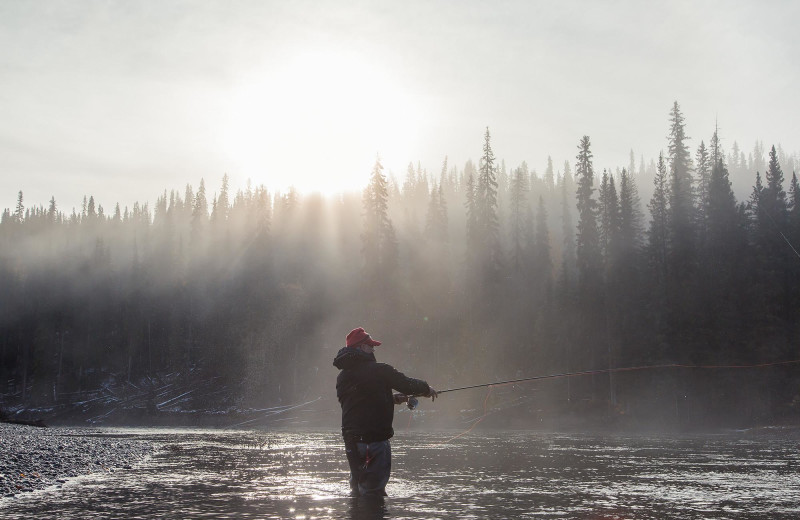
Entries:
{"x":370,"y":465}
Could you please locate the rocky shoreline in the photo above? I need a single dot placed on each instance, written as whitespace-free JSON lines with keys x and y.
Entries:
{"x":36,"y":458}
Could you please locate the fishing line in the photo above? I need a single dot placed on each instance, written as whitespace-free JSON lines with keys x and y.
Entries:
{"x":270,"y":414}
{"x":492,"y":386}
{"x":620,"y":369}
{"x":476,"y":423}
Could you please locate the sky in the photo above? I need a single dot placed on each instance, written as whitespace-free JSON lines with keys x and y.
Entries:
{"x":123,"y":100}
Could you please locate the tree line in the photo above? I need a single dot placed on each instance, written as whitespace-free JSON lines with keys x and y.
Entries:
{"x":469,"y":275}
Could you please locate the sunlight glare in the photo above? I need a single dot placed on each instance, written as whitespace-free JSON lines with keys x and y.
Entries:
{"x":318,"y":123}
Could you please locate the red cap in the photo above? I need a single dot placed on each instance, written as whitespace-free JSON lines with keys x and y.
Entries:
{"x":360,"y":337}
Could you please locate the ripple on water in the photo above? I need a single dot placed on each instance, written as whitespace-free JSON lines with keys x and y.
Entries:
{"x":213,"y":474}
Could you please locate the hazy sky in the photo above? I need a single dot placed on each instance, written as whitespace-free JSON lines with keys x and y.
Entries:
{"x":122,"y":100}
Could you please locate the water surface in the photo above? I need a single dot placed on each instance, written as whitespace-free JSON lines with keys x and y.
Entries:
{"x":247,"y":474}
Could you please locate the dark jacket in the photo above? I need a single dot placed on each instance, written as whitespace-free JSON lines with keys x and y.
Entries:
{"x":364,"y":388}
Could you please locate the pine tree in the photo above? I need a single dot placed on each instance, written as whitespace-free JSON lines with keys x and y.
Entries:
{"x":470,"y":205}
{"x":716,"y":153}
{"x":445,"y":183}
{"x":722,"y":216}
{"x":518,"y":203}
{"x":754,"y":204}
{"x":410,"y":183}
{"x":773,"y":199}
{"x":631,"y":168}
{"x":793,"y":215}
{"x":588,"y":254}
{"x":378,"y":238}
{"x":52,"y":211}
{"x":486,"y":205}
{"x":733,"y":161}
{"x":444,"y":221}
{"x":223,"y":202}
{"x":436,"y":217}
{"x":772,"y":219}
{"x":609,"y":219}
{"x":681,"y":208}
{"x":199,"y":215}
{"x":626,"y":273}
{"x":91,"y":211}
{"x":703,"y":169}
{"x":659,"y":223}
{"x":542,"y":263}
{"x":188,"y":206}
{"x":19,"y":212}
{"x":549,"y":177}
{"x":630,"y":215}
{"x":756,"y":162}
{"x":567,"y":229}
{"x":793,"y":206}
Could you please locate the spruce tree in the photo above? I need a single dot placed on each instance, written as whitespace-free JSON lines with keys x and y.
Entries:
{"x":630,"y":215}
{"x":722,"y":216}
{"x":223,"y":201}
{"x":715,"y":154}
{"x":486,"y":205}
{"x":754,"y":206}
{"x":775,"y":256}
{"x":52,"y":211}
{"x":19,"y":211}
{"x":518,"y":203}
{"x":703,"y":163}
{"x":793,"y":208}
{"x":470,"y":205}
{"x":773,"y":199}
{"x":542,"y":262}
{"x":91,"y":210}
{"x":379,"y":243}
{"x":549,"y":177}
{"x":588,"y":254}
{"x":436,"y":217}
{"x":443,"y":217}
{"x":681,"y":207}
{"x":199,"y":215}
{"x":609,"y":219}
{"x":658,"y":234}
{"x":567,"y":230}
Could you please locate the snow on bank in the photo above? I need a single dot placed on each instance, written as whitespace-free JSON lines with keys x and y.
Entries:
{"x":36,"y":458}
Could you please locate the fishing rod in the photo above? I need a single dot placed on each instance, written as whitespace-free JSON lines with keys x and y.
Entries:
{"x":550,"y":376}
{"x":618,"y":369}
{"x":413,"y":402}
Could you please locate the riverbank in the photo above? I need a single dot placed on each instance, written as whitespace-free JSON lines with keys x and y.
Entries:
{"x":36,"y":458}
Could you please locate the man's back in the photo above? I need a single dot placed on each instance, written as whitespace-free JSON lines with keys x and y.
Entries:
{"x":364,"y":388}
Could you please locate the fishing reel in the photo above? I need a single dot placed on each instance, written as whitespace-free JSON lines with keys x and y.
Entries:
{"x":412,"y":403}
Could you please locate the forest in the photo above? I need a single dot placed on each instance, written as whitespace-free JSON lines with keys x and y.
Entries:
{"x":473,"y":273}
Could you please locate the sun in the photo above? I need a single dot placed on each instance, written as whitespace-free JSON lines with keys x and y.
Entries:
{"x":317,"y":122}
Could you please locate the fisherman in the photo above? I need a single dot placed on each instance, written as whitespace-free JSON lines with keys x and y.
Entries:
{"x":364,"y":388}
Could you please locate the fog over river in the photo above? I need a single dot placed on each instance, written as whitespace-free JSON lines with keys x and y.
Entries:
{"x":253,"y":474}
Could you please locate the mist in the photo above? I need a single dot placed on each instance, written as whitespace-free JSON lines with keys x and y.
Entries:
{"x":468,"y":274}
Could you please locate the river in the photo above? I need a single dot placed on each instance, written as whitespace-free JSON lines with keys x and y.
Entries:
{"x":302,"y":475}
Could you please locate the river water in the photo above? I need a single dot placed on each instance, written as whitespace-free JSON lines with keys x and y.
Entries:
{"x":238,"y":474}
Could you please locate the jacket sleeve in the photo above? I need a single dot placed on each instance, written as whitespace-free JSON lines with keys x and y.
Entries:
{"x":402,"y":383}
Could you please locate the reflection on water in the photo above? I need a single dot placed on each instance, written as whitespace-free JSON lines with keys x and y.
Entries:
{"x":212,"y":474}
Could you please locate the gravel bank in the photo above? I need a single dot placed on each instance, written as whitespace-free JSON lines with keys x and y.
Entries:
{"x":35,"y":458}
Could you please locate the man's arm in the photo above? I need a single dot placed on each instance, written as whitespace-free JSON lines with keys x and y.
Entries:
{"x":407,"y":385}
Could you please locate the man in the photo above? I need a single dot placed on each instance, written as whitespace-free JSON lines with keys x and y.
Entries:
{"x":364,"y":388}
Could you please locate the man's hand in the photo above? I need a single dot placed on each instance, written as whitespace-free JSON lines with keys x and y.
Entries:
{"x":400,"y":398}
{"x":433,"y":394}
